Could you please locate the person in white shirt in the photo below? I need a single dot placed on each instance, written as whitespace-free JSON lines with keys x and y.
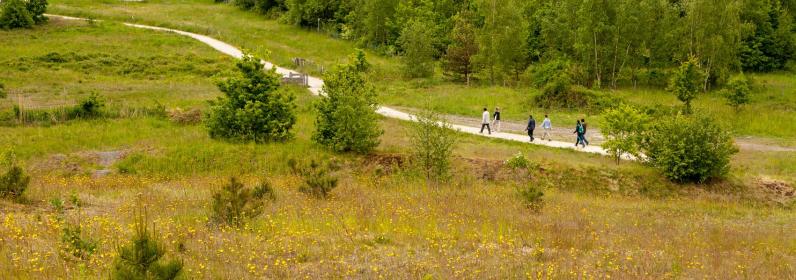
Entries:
{"x":496,"y":121}
{"x":548,"y":127}
{"x":485,"y":121}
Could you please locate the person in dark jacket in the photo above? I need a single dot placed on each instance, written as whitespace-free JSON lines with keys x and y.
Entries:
{"x":583,"y":135}
{"x":579,"y":131}
{"x":531,"y":126}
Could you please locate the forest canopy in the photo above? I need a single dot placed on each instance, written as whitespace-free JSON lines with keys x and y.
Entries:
{"x":607,"y":42}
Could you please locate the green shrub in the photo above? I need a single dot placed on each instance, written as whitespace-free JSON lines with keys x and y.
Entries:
{"x":689,"y":148}
{"x":738,"y":90}
{"x":234,"y":203}
{"x":15,"y":14}
{"x":518,"y":161}
{"x":624,"y":128}
{"x":77,"y":245}
{"x":264,"y":190}
{"x":346,"y":121}
{"x":3,"y":93}
{"x":36,"y":9}
{"x":318,"y":178}
{"x":533,"y":197}
{"x":88,"y":108}
{"x":142,"y":257}
{"x":14,"y":182}
{"x":252,"y":108}
{"x":432,"y":141}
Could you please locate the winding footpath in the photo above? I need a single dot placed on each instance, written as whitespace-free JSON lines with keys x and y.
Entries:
{"x":316,"y":86}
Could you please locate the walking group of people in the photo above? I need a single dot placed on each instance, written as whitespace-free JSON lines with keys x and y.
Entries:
{"x":547,"y":125}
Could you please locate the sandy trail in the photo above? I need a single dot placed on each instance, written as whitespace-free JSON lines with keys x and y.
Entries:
{"x":316,"y":86}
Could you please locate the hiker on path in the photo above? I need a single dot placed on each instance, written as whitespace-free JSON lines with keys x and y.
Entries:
{"x":585,"y":129}
{"x":547,"y":126}
{"x":579,"y":132}
{"x":531,"y":126}
{"x":485,"y":121}
{"x":496,"y":122}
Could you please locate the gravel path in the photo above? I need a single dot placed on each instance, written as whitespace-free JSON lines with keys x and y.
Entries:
{"x":316,"y":85}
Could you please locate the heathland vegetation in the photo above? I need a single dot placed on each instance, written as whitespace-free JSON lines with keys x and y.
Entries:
{"x":136,"y":154}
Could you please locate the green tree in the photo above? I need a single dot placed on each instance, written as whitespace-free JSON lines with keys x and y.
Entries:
{"x":252,"y":108}
{"x":142,"y":257}
{"x":458,"y":59}
{"x":686,"y":82}
{"x":346,"y":119}
{"x":15,"y":15}
{"x":624,"y":128}
{"x":418,"y":49}
{"x":234,"y":203}
{"x":433,"y":142}
{"x":738,"y":90}
{"x":689,"y":148}
{"x":37,"y":8}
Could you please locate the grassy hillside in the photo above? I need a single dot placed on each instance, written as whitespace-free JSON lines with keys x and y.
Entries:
{"x":599,"y":220}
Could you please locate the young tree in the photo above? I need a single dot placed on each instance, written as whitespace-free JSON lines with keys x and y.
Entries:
{"x":15,"y":15}
{"x":624,"y":127}
{"x":142,"y":258}
{"x":346,"y":119}
{"x":418,"y":49}
{"x":686,"y":81}
{"x":252,"y":108}
{"x":738,"y":91}
{"x":433,"y":141}
{"x":458,"y":58}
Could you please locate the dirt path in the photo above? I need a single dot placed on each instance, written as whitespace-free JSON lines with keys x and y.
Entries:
{"x":316,"y":85}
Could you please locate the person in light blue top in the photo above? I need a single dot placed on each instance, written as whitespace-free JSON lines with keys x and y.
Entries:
{"x":548,"y":127}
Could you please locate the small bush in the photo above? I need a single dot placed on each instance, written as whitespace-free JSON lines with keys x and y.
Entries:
{"x":3,"y":93}
{"x":432,"y":146}
{"x":77,"y":245}
{"x":14,"y":14}
{"x":738,"y":90}
{"x":234,"y":203}
{"x":142,"y":257}
{"x":318,"y":178}
{"x":533,"y":197}
{"x":518,"y":161}
{"x":13,"y":183}
{"x":689,"y":148}
{"x":264,"y":190}
{"x":88,"y":108}
{"x":252,"y":108}
{"x":36,"y":9}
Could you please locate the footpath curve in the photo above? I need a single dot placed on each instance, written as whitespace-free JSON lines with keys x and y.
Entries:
{"x":316,"y":86}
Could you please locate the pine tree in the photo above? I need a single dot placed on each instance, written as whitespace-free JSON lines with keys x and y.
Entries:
{"x":346,"y":120}
{"x":458,"y":59}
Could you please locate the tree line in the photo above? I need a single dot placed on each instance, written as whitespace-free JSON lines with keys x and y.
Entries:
{"x":604,"y":42}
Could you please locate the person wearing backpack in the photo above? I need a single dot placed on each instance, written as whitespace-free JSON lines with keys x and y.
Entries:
{"x":579,"y":132}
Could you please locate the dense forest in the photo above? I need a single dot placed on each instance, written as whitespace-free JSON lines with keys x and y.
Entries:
{"x":602,"y":42}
